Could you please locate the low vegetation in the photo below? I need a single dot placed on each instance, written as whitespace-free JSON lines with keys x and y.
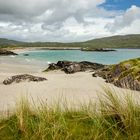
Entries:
{"x":133,"y":67}
{"x":109,"y":120}
{"x":125,"y":74}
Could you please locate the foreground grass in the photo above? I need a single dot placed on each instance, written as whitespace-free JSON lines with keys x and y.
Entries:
{"x":112,"y":120}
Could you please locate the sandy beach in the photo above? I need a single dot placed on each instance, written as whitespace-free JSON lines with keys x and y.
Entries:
{"x":78,"y":88}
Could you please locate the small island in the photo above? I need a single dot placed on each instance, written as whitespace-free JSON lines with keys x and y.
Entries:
{"x":97,"y":49}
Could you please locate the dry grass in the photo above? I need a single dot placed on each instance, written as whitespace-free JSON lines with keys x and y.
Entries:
{"x":113,"y":120}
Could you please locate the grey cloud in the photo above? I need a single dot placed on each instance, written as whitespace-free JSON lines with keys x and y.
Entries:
{"x":47,"y":20}
{"x":30,"y":10}
{"x":22,"y":8}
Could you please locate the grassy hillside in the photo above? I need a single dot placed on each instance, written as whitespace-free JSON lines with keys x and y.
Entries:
{"x":126,"y":41}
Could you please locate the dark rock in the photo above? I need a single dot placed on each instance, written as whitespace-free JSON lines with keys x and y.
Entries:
{"x":90,"y":65}
{"x":22,"y":78}
{"x":94,"y":75}
{"x":26,"y":54}
{"x":52,"y":66}
{"x":62,"y":64}
{"x":72,"y":67}
{"x":6,"y":52}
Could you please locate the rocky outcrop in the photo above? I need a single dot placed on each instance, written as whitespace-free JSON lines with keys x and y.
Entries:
{"x":23,"y":78}
{"x":125,"y":74}
{"x":97,"y":49}
{"x":128,"y":82}
{"x":73,"y":67}
{"x":6,"y":52}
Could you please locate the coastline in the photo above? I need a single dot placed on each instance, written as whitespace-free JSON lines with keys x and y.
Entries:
{"x":26,"y":49}
{"x":77,"y":88}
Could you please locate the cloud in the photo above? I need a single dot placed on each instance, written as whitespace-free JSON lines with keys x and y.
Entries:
{"x":53,"y":10}
{"x":64,"y":20}
{"x":126,"y":19}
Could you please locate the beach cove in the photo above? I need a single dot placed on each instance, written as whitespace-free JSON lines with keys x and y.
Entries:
{"x":76,"y":88}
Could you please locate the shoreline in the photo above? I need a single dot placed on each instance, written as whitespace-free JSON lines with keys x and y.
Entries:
{"x":25,"y":49}
{"x":79,"y":87}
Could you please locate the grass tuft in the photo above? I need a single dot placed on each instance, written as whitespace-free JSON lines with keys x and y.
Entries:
{"x":110,"y":120}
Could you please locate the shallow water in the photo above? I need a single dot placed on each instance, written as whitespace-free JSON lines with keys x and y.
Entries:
{"x":43,"y":57}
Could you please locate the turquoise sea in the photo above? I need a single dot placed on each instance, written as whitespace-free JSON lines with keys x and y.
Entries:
{"x":43,"y":57}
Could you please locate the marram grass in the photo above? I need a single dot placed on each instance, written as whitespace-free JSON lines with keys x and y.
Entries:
{"x":111,"y":120}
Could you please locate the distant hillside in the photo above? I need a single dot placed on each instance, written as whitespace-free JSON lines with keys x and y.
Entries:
{"x":126,"y":41}
{"x":7,"y":43}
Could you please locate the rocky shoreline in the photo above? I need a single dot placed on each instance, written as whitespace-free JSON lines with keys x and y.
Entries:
{"x":124,"y":75}
{"x":73,"y":67}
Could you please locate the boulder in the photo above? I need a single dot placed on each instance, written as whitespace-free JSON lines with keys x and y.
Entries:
{"x":91,"y":66}
{"x":26,"y":54}
{"x":63,"y":64}
{"x":72,"y":67}
{"x":22,"y":78}
{"x":6,"y":52}
{"x":52,"y":66}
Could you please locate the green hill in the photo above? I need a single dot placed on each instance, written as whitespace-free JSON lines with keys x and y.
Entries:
{"x":126,"y":41}
{"x":7,"y":43}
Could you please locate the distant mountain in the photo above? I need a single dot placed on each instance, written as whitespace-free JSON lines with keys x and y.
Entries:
{"x":125,"y":41}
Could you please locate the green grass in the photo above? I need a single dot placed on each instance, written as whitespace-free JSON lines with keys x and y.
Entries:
{"x":110,"y":120}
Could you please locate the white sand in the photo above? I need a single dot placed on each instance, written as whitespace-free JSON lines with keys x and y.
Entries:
{"x":76,"y":88}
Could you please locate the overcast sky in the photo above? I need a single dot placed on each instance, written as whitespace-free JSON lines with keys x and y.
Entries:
{"x":68,"y":20}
